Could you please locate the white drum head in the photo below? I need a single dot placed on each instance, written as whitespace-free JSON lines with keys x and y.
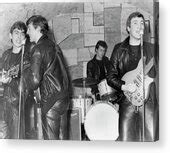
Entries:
{"x":101,"y":122}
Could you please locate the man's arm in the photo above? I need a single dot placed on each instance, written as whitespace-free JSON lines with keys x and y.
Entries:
{"x":32,"y":75}
{"x":90,"y":70}
{"x":90,"y":74}
{"x":113,"y":77}
{"x":3,"y":77}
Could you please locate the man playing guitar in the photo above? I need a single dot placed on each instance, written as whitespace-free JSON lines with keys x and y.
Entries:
{"x":138,"y":114}
{"x":11,"y":65}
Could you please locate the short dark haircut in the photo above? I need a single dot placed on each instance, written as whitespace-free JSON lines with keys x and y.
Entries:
{"x":20,"y":26}
{"x":133,"y":15}
{"x":101,"y":43}
{"x":38,"y":20}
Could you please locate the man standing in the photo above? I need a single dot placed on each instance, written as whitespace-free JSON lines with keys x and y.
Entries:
{"x":48,"y":74}
{"x":136,"y":122}
{"x":97,"y":68}
{"x":11,"y":75}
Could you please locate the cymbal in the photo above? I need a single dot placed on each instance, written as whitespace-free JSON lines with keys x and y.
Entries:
{"x":87,"y":81}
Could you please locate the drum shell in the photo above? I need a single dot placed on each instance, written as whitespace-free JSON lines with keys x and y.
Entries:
{"x":104,"y":88}
{"x":106,"y":92}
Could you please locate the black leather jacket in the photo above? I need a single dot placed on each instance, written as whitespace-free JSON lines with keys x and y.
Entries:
{"x":120,"y":64}
{"x":130,"y":124}
{"x":48,"y":72}
{"x":93,"y":70}
{"x":11,"y":89}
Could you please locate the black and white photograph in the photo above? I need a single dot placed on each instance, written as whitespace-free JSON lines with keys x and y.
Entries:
{"x":80,"y":71}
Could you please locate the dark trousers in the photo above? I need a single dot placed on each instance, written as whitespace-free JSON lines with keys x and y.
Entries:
{"x":30,"y":110}
{"x":11,"y":116}
{"x":131,"y":122}
{"x":55,"y":125}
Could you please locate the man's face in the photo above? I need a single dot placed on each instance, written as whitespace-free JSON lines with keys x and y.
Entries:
{"x":32,"y":32}
{"x":17,"y":37}
{"x":136,"y":27}
{"x":100,"y":52}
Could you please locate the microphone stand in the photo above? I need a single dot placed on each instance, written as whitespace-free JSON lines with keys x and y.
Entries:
{"x":21,"y":106}
{"x":143,"y":88}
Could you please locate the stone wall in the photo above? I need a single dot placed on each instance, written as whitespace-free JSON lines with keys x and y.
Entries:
{"x":78,"y":26}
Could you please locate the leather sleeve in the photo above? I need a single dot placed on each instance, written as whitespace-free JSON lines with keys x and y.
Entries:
{"x":32,"y":75}
{"x":152,"y":73}
{"x":90,"y":70}
{"x":4,"y":59}
{"x":35,"y":68}
{"x":113,"y":77}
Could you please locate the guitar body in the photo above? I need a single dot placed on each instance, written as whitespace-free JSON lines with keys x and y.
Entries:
{"x":12,"y":72}
{"x":136,"y":77}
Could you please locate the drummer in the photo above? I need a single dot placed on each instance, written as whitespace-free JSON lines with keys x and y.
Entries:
{"x":97,"y":67}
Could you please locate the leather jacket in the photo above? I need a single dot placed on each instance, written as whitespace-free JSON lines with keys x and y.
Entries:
{"x":11,"y":89}
{"x":129,"y":121}
{"x":93,"y":70}
{"x":48,"y":72}
{"x":120,"y":63}
{"x":11,"y":92}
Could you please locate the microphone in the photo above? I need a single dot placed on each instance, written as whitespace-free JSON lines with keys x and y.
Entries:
{"x":23,"y":42}
{"x":141,"y":36}
{"x":141,"y":32}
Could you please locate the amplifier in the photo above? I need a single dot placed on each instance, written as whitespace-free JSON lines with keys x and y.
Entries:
{"x":74,"y":116}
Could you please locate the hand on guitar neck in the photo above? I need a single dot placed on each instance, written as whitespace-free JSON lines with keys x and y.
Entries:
{"x":5,"y":78}
{"x":129,"y":87}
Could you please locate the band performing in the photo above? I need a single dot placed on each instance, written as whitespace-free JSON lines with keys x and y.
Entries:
{"x":118,"y":100}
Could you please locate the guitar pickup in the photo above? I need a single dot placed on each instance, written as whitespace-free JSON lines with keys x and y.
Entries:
{"x":137,"y":83}
{"x":139,"y":78}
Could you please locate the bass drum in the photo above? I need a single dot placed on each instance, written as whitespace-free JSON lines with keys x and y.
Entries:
{"x":101,"y":122}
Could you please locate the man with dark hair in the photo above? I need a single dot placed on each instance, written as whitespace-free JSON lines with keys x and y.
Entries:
{"x":11,"y":75}
{"x":48,"y":74}
{"x":130,"y":75}
{"x":97,"y":68}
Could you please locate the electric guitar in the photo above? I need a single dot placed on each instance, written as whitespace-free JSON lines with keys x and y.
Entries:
{"x":12,"y":72}
{"x":136,"y":77}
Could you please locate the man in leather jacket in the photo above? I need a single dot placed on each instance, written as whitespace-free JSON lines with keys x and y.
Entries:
{"x":11,"y":65}
{"x":48,"y":73}
{"x":125,"y":58}
{"x":97,"y":67}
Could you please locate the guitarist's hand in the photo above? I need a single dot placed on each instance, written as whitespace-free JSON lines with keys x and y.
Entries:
{"x":129,"y":87}
{"x":4,"y":78}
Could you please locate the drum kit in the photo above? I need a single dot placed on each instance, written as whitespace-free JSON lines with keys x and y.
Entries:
{"x":99,"y":119}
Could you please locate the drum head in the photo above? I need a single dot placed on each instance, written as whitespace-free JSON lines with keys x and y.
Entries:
{"x":101,"y":122}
